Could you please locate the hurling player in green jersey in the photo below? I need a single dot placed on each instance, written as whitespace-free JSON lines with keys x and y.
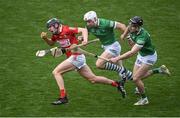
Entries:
{"x":142,"y":44}
{"x":104,"y":30}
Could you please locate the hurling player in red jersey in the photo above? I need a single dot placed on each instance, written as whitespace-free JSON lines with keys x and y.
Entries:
{"x":66,"y":37}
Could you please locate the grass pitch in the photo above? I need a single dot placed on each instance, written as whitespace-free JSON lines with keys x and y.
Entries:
{"x":27,"y":86}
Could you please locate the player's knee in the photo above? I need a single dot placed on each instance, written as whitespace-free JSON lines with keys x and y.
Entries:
{"x":56,"y":73}
{"x":93,"y":82}
{"x":92,"y":79}
{"x":135,"y":78}
{"x":99,"y":65}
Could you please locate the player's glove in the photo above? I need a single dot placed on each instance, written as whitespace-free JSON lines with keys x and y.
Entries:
{"x":56,"y":52}
{"x":44,"y":35}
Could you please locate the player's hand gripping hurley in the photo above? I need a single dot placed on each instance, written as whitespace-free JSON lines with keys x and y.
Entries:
{"x":57,"y":51}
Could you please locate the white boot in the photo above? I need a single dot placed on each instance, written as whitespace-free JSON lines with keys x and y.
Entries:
{"x":142,"y":101}
{"x":165,"y":70}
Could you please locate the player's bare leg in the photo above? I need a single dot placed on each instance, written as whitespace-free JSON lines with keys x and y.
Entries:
{"x":58,"y":72}
{"x":138,"y":74}
{"x":89,"y":75}
{"x":102,"y":64}
{"x":161,"y":70}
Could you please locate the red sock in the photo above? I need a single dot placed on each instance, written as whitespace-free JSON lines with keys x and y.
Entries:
{"x":62,"y":93}
{"x":115,"y":84}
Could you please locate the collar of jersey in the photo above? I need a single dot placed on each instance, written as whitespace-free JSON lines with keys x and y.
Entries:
{"x":98,"y":22}
{"x":139,"y":31}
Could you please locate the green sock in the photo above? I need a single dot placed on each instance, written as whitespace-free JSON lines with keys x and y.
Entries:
{"x":143,"y":95}
{"x":156,"y":70}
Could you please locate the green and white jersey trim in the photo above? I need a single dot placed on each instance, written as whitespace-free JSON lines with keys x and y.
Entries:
{"x":112,"y":23}
{"x":104,"y":31}
{"x":142,"y":39}
{"x":115,"y":24}
{"x":138,"y":45}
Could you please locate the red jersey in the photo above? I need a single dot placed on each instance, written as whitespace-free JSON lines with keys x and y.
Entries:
{"x":66,"y":38}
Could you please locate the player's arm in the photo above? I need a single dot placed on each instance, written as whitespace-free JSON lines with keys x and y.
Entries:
{"x":120,"y":26}
{"x":84,"y":33}
{"x":46,"y":39}
{"x":135,"y":49}
{"x":130,"y":41}
{"x":128,"y":54}
{"x":80,"y":37}
{"x":125,"y":33}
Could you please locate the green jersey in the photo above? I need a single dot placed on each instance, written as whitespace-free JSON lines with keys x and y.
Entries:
{"x":104,"y":31}
{"x":143,"y":39}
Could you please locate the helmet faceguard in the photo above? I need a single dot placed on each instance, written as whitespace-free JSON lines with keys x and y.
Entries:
{"x":55,"y":23}
{"x":52,"y":22}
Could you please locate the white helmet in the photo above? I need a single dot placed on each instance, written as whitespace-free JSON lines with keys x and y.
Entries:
{"x":91,"y":15}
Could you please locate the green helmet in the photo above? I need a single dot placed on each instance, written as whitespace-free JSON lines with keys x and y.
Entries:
{"x":52,"y":22}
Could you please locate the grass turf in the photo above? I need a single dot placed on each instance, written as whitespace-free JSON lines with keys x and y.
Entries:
{"x":27,"y":87}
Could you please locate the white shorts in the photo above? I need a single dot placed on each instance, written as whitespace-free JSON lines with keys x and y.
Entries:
{"x":149,"y":59}
{"x":77,"y":60}
{"x":114,"y":49}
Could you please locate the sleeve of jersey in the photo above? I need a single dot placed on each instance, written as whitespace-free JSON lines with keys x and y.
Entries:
{"x":111,"y":24}
{"x":140,"y":42}
{"x":73,"y":31}
{"x":53,"y":38}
